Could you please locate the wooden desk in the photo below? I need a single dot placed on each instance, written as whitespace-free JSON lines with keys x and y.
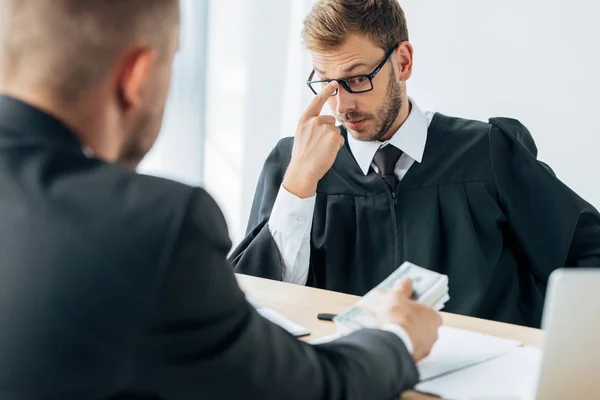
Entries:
{"x":302,"y":304}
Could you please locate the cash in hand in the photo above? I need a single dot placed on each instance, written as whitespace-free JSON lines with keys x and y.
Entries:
{"x":429,"y":288}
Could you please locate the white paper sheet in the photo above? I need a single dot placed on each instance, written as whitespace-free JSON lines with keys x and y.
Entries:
{"x":511,"y":376}
{"x":457,"y":348}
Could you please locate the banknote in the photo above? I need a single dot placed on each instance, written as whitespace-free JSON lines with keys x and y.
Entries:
{"x":429,"y":288}
{"x":425,"y":282}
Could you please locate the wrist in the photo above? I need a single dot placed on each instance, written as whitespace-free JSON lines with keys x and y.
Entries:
{"x":301,"y":185}
{"x":402,"y":334}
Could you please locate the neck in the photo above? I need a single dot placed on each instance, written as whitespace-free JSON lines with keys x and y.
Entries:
{"x":405,"y":108}
{"x":84,"y":118}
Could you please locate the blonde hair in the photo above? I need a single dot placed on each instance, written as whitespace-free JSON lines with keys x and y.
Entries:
{"x":330,"y":22}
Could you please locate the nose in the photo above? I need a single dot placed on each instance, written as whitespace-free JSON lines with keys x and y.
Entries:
{"x":345,"y":102}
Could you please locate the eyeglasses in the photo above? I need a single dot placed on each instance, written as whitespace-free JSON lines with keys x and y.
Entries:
{"x":353,"y":84}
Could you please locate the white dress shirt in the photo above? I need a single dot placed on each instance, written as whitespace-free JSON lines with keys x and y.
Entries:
{"x":291,"y":218}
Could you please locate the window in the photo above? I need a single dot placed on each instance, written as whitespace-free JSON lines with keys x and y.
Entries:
{"x":178,"y":152}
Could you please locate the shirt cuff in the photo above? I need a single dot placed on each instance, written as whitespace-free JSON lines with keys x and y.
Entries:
{"x":291,"y":215}
{"x":401,"y":333}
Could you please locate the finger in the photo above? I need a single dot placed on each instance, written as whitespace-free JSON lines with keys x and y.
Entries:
{"x":341,"y":142}
{"x":404,"y":287}
{"x":326,"y":120}
{"x":316,"y":105}
{"x":336,"y":142}
{"x":440,"y":320}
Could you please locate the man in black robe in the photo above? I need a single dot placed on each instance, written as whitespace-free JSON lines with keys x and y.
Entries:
{"x":464,"y":198}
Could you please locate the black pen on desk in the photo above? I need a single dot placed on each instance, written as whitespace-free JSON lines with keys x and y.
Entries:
{"x":326,"y":316}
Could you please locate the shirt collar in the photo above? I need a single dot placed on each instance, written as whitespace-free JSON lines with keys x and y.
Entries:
{"x":410,"y":138}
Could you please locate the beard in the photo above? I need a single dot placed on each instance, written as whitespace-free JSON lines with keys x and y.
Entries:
{"x":139,"y":141}
{"x":384,"y":117}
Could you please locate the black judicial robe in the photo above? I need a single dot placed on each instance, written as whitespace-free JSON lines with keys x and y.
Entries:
{"x":480,"y":208}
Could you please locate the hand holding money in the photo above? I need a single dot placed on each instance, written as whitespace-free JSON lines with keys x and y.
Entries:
{"x":428,"y":292}
{"x":420,"y":322}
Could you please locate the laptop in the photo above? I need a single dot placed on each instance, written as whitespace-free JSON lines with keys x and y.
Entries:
{"x":570,"y":367}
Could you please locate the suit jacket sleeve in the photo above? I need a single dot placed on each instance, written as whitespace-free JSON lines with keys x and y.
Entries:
{"x":206,"y":340}
{"x":551,"y":226}
{"x":258,"y":254}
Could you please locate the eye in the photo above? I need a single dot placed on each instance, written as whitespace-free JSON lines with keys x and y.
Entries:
{"x":358,"y":80}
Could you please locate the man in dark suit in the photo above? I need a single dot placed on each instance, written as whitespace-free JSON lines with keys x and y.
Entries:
{"x":115,"y":284}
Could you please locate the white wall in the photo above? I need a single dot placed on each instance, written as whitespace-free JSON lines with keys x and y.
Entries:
{"x":534,"y":60}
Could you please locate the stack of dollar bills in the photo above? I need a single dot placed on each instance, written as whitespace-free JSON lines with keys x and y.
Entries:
{"x":429,"y":288}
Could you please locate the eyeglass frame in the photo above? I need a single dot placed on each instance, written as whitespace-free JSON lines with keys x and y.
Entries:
{"x":345,"y":85}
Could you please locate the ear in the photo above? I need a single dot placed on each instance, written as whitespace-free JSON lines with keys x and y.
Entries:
{"x":403,"y":61}
{"x":135,"y":71}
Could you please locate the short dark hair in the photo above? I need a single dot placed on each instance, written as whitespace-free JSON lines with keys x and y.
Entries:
{"x":330,"y":22}
{"x":70,"y":44}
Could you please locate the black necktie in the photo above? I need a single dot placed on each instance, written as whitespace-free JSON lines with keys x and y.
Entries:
{"x":386,"y":159}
